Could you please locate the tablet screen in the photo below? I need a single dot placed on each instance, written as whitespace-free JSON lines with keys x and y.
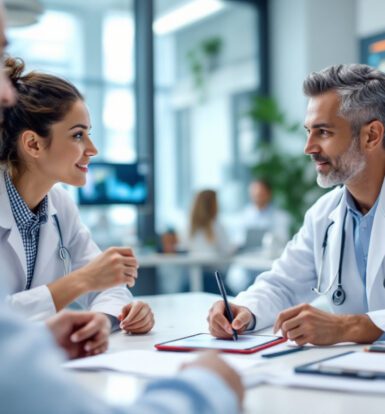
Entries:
{"x":210,"y":342}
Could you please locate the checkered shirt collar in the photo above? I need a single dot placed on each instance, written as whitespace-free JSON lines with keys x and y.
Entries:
{"x":21,"y":212}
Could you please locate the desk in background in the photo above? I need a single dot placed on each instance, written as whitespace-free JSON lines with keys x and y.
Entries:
{"x":196,"y":262}
{"x":184,"y":314}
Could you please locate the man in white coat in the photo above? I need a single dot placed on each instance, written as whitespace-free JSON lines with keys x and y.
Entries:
{"x":340,"y":251}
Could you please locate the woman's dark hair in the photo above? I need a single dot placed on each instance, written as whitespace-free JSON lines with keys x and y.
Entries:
{"x":42,"y":100}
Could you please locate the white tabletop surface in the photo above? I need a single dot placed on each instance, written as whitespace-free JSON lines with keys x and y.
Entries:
{"x":183,"y":314}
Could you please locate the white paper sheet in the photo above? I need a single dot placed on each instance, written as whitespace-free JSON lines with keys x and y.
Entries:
{"x":152,"y":364}
{"x":157,"y":364}
{"x":292,"y":379}
{"x":340,"y":344}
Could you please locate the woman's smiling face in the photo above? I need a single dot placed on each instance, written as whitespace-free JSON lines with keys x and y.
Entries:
{"x":67,"y":156}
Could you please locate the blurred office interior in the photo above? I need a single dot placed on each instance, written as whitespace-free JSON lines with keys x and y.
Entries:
{"x":169,"y":84}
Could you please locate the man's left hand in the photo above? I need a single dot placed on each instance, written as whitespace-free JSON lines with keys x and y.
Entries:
{"x":80,"y":334}
{"x":305,"y":324}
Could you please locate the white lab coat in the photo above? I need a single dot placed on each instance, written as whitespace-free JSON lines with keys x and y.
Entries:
{"x":294,"y":274}
{"x":37,"y":303}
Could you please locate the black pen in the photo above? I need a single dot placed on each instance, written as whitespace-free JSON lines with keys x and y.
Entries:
{"x":229,"y":313}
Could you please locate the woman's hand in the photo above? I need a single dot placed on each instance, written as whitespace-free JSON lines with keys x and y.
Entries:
{"x":137,"y":318}
{"x":115,"y":266}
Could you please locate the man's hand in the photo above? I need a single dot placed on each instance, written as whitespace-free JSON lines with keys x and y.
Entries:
{"x":306,"y":324}
{"x":80,"y":334}
{"x":137,"y":318}
{"x":220,"y":327}
{"x":211,"y":361}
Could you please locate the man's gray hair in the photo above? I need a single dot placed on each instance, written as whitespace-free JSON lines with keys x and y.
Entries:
{"x":361,"y":88}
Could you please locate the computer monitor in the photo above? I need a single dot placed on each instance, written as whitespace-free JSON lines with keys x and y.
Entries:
{"x":112,"y":183}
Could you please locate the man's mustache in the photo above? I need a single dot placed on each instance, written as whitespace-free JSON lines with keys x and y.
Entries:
{"x":319,"y":158}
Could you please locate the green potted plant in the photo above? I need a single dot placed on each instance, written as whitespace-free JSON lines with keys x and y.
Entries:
{"x":203,"y":60}
{"x":292,"y":177}
{"x":211,"y":49}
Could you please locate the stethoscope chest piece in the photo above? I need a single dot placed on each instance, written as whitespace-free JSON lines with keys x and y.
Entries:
{"x":63,"y":253}
{"x":339,"y":296}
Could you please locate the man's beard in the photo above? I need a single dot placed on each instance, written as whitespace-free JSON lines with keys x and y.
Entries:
{"x":344,"y":168}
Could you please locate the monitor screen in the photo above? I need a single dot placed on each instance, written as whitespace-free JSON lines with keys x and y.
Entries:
{"x":109,"y":183}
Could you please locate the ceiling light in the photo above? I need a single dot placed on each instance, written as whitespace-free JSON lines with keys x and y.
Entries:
{"x":186,"y":15}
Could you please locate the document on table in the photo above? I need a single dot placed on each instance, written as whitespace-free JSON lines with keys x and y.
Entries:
{"x":353,"y":372}
{"x":356,"y":361}
{"x":154,"y":364}
{"x":292,"y":379}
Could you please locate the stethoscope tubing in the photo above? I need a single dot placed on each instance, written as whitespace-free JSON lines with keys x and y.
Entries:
{"x":64,"y":254}
{"x":339,"y":295}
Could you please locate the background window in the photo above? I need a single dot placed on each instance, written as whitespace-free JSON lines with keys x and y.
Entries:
{"x":92,"y":45}
{"x":200,"y":70}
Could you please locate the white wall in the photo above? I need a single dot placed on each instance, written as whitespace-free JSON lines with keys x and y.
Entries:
{"x":307,"y":35}
{"x":370,"y":17}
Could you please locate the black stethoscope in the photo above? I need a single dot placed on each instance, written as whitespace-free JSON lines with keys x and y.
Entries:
{"x":339,"y":295}
{"x":64,"y":254}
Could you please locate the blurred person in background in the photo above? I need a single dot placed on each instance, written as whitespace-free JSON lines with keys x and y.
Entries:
{"x":261,"y":214}
{"x":207,"y":236}
{"x":206,"y":233}
{"x":263,"y":229}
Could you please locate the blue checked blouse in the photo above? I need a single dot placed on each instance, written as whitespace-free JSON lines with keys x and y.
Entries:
{"x":28,"y":224}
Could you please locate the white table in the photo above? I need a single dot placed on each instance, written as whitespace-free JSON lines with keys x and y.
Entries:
{"x":184,"y":314}
{"x":196,"y":262}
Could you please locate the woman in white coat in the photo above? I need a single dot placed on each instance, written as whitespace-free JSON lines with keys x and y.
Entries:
{"x":46,"y":254}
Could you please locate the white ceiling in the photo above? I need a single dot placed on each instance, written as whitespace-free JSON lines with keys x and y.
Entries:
{"x":18,"y":16}
{"x":87,"y":4}
{"x":161,"y":6}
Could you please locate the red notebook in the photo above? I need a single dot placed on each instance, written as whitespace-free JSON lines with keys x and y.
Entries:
{"x":246,"y":344}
